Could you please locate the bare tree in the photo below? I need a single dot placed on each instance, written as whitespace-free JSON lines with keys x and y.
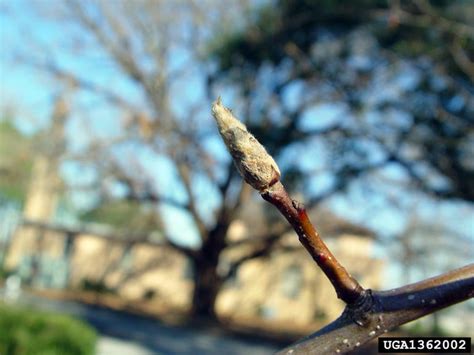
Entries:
{"x":157,"y":49}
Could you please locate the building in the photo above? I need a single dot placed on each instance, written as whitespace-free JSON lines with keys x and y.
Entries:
{"x":285,"y":286}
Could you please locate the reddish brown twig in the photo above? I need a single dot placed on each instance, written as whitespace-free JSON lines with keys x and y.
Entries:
{"x":347,"y":288}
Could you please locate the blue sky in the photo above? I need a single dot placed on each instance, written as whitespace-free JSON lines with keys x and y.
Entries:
{"x":29,"y":93}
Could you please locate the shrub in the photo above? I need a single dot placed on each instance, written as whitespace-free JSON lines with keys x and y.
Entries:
{"x":27,"y":331}
{"x":4,"y":272}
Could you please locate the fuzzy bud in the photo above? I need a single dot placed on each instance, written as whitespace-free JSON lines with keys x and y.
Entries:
{"x":255,"y":165}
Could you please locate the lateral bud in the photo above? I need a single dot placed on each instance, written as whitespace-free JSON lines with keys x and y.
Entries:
{"x":255,"y":165}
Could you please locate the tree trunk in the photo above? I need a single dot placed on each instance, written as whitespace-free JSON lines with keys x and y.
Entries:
{"x":207,"y":284}
{"x":207,"y":281}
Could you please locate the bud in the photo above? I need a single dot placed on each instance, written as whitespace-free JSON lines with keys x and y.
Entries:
{"x":255,"y":165}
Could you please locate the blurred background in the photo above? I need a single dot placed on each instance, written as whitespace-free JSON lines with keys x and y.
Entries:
{"x":120,"y":206}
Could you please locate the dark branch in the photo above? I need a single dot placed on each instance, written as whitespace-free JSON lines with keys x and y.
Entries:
{"x":120,"y":237}
{"x":387,"y":310}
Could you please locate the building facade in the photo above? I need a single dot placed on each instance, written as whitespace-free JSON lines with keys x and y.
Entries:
{"x":286,"y":286}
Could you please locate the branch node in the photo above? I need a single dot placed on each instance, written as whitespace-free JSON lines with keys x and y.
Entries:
{"x":360,"y":310}
{"x":298,"y":205}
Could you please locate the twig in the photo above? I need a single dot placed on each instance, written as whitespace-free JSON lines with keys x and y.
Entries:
{"x":367,"y":314}
{"x":259,"y":169}
{"x":347,"y":288}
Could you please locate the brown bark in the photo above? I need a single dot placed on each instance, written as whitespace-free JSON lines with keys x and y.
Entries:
{"x":206,"y":287}
{"x":386,"y":310}
{"x":207,"y":281}
{"x":347,"y":288}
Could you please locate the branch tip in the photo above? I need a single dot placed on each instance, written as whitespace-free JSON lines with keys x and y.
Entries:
{"x":253,"y":162}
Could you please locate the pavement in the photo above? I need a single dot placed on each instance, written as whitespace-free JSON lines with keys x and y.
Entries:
{"x":123,"y":333}
{"x":107,"y":345}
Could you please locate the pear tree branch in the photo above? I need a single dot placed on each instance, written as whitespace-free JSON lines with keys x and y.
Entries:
{"x":386,"y":310}
{"x":368,"y":313}
{"x":260,"y":171}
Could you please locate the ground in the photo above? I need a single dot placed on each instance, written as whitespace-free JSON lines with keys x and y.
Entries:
{"x":129,"y":334}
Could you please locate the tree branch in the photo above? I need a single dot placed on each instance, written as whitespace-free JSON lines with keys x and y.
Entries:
{"x":150,"y":196}
{"x":386,"y":310}
{"x":260,"y":170}
{"x":265,"y":248}
{"x":120,"y":237}
{"x":123,"y":56}
{"x":183,"y":172}
{"x":367,"y":314}
{"x":81,"y":83}
{"x":347,"y":288}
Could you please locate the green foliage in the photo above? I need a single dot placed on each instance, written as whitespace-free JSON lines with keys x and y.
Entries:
{"x":315,"y":44}
{"x":275,"y":28}
{"x":15,"y":162}
{"x":30,"y":332}
{"x":4,"y":272}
